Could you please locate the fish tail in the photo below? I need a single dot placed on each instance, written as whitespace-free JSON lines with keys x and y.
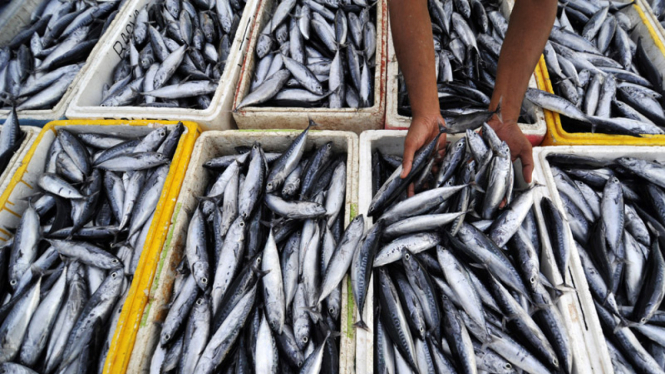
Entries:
{"x":361,"y":324}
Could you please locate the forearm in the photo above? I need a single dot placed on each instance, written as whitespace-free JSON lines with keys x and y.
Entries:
{"x":414,"y":46}
{"x":530,"y":25}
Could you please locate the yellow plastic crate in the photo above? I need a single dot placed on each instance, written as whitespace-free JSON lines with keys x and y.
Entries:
{"x":655,"y":48}
{"x":23,"y":184}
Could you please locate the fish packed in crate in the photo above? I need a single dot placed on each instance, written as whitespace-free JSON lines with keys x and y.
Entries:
{"x":604,"y":81}
{"x":259,"y":286}
{"x":177,"y":54}
{"x":457,"y":266}
{"x":616,"y":211}
{"x":316,"y":54}
{"x":65,"y":274}
{"x":42,"y":60}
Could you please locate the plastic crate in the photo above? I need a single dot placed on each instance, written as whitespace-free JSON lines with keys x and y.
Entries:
{"x":347,"y":119}
{"x":24,"y":184}
{"x":655,"y":49}
{"x":574,"y":306}
{"x":14,"y":19}
{"x":213,"y":144}
{"x":85,"y":103}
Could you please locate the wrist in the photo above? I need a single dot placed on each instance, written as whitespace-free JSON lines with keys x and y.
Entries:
{"x":497,"y":124}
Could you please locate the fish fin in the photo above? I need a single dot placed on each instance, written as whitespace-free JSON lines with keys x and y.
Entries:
{"x":311,"y":123}
{"x":314,"y":314}
{"x":361,"y":324}
{"x":476,"y":187}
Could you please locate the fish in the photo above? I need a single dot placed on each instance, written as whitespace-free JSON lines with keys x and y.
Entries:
{"x":176,"y":55}
{"x":59,"y":40}
{"x":67,"y":273}
{"x":274,"y":277}
{"x":311,"y":36}
{"x":440,"y":276}
{"x":621,"y":257}
{"x":581,"y":46}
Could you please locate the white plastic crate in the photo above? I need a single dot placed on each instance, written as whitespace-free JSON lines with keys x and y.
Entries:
{"x":31,"y":133}
{"x":85,"y":103}
{"x":603,"y":153}
{"x":347,"y":119}
{"x":581,"y":321}
{"x":16,"y":17}
{"x":395,"y":121}
{"x":646,"y":7}
{"x":213,"y":144}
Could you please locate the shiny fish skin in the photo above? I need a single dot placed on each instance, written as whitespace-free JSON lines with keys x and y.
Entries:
{"x":190,"y":45}
{"x":60,"y":42}
{"x":79,"y":279}
{"x":265,"y":310}
{"x":348,"y":33}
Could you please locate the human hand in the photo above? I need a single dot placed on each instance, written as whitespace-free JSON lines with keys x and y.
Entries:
{"x":519,"y":145}
{"x":423,"y":130}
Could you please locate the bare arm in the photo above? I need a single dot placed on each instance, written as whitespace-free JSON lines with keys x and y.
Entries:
{"x":414,"y":46}
{"x":529,"y":27}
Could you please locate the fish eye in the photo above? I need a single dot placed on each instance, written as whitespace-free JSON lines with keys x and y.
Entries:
{"x":199,"y":301}
{"x":167,"y":337}
{"x":407,"y":256}
{"x":508,"y":366}
{"x":241,"y":224}
{"x":299,"y":363}
{"x":533,"y":280}
{"x":643,"y":320}
{"x":204,"y":280}
{"x":305,"y":339}
{"x":12,"y":282}
{"x":258,"y":260}
{"x":422,"y":329}
{"x":269,"y":185}
{"x":113,"y":275}
{"x":555,"y":362}
{"x":331,"y":310}
{"x":329,"y":145}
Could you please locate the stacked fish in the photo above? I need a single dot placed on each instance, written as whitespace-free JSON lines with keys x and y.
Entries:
{"x":65,"y":275}
{"x":177,"y":53}
{"x":616,"y":212}
{"x":11,"y":137}
{"x":604,"y":80}
{"x":324,"y":56}
{"x":259,"y":289}
{"x":42,"y":60}
{"x":451,"y":298}
{"x":658,"y":8}
{"x":467,"y":41}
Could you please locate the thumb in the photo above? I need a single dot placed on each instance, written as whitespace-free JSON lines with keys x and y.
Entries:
{"x":527,"y":165}
{"x":409,"y":150}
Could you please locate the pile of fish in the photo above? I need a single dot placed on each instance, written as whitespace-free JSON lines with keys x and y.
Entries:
{"x":176,"y":55}
{"x":467,"y":41}
{"x":42,"y":60}
{"x":11,"y":137}
{"x":65,"y":274}
{"x":604,"y":81}
{"x":259,"y":288}
{"x":616,"y":212}
{"x":316,"y":54}
{"x":457,"y":276}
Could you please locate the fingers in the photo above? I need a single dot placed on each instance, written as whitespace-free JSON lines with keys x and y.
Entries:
{"x":411,"y":190}
{"x":527,"y":164}
{"x":441,"y":146}
{"x":410,"y":148}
